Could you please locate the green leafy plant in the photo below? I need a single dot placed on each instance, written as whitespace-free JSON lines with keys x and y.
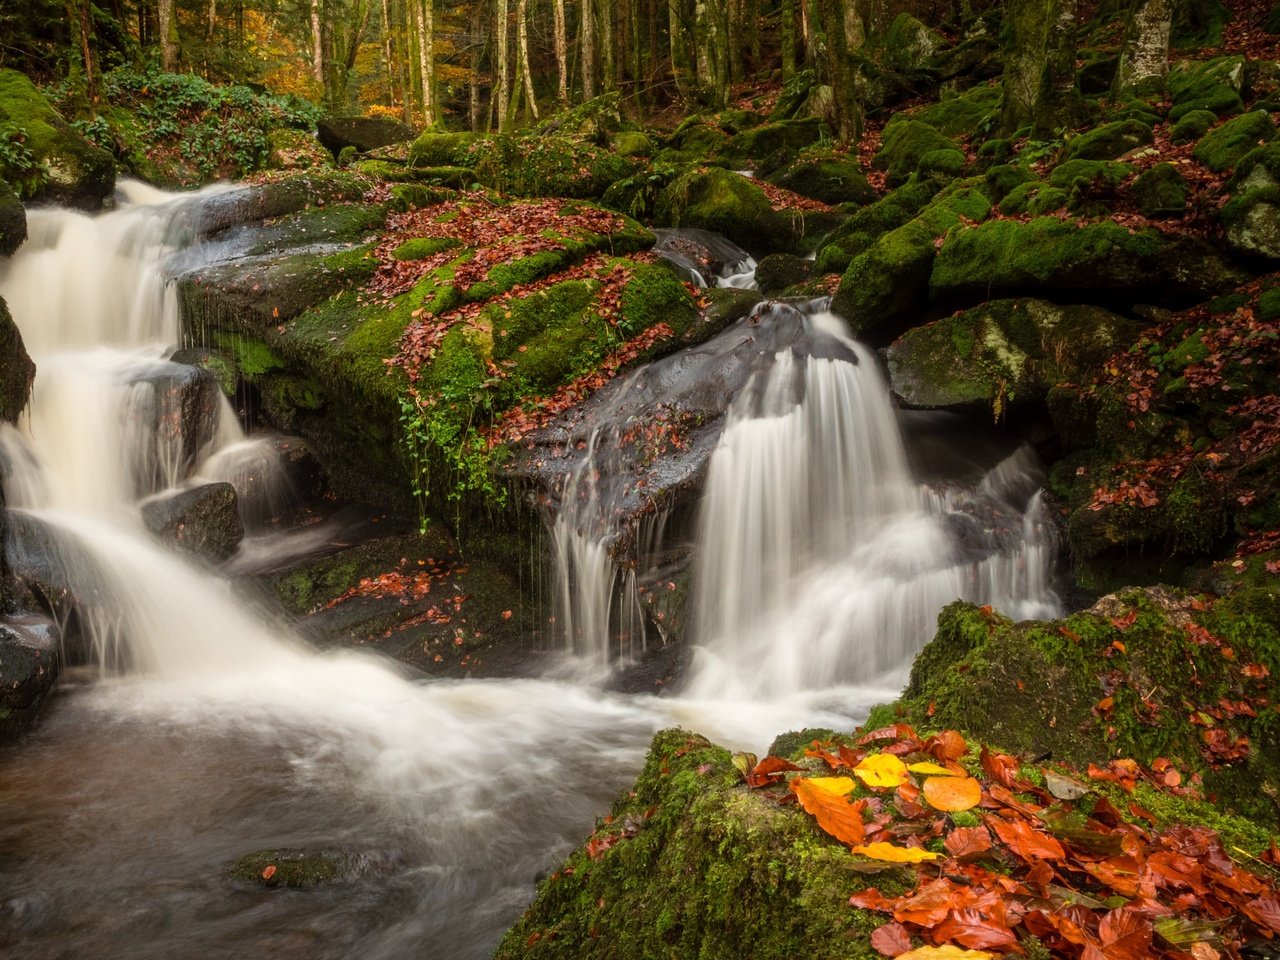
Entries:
{"x":18,"y":165}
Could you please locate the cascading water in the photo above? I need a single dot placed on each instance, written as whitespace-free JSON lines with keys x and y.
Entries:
{"x":212,"y":732}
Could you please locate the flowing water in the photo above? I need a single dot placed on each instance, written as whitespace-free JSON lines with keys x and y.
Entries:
{"x":207,"y":731}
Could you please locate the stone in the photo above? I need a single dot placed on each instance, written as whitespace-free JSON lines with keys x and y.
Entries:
{"x":778,"y":271}
{"x":13,"y":221}
{"x":903,"y":145}
{"x":363,"y":133}
{"x":750,"y":147}
{"x":290,"y":149}
{"x":1193,"y":125}
{"x":1161,"y":192}
{"x":77,"y":173}
{"x":1222,"y":148}
{"x":203,"y":521}
{"x":832,"y":180}
{"x":30,"y":661}
{"x":1109,"y":141}
{"x":17,"y":370}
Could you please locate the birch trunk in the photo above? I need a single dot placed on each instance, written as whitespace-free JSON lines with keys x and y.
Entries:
{"x":501,"y":19}
{"x":1144,"y":60}
{"x":317,"y":42}
{"x":522,"y":35}
{"x":562,"y":54}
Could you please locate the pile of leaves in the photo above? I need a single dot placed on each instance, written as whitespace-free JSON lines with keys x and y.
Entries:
{"x":1015,"y":860}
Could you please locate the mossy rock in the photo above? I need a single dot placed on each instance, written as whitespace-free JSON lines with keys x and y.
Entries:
{"x":1109,"y":141}
{"x":17,"y":371}
{"x":294,"y":868}
{"x":1035,"y":688}
{"x":942,"y":165}
{"x":1199,"y":25}
{"x":1193,"y":125}
{"x":289,"y":149}
{"x":548,"y":166}
{"x":76,"y":173}
{"x":960,"y":113}
{"x":1066,"y":175}
{"x":632,"y":143}
{"x":13,"y":221}
{"x":830,"y":179}
{"x":750,"y":147}
{"x":904,"y":144}
{"x":1033,"y":197}
{"x":794,"y":95}
{"x":1222,"y":148}
{"x":908,"y":46}
{"x":436,"y":149}
{"x":1161,"y":192}
{"x":700,"y":866}
{"x":861,"y":230}
{"x":1214,"y":85}
{"x":1100,"y":261}
{"x":1003,"y":352}
{"x":420,"y":248}
{"x":1003,"y":178}
{"x":698,"y":138}
{"x":728,"y":203}
{"x":778,"y":271}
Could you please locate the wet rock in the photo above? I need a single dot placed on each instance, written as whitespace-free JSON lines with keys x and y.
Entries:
{"x":76,"y":173}
{"x":297,"y":868}
{"x":184,"y":415}
{"x":13,"y":221}
{"x":700,"y":256}
{"x":17,"y":370}
{"x":778,"y":271}
{"x":30,"y":659}
{"x":204,"y":521}
{"x":363,"y":133}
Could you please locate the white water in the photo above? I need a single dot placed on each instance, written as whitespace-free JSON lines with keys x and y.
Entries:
{"x":478,"y":785}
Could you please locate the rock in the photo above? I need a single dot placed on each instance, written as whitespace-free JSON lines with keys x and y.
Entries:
{"x":549,"y":166}
{"x":909,"y":46}
{"x":778,"y":271}
{"x":1161,"y":192}
{"x":13,"y":221}
{"x":700,"y":256}
{"x":204,"y":521}
{"x":870,"y":223}
{"x":30,"y":660}
{"x":1004,"y":178}
{"x":1100,"y":261}
{"x":17,"y":370}
{"x":1214,"y":85}
{"x":1222,"y":148}
{"x":436,"y":149}
{"x":363,"y":133}
{"x":184,"y":413}
{"x":632,"y":143}
{"x":295,"y":150}
{"x":1193,"y":125}
{"x":832,"y":180}
{"x":725,"y":202}
{"x":795,"y":92}
{"x":296,"y":868}
{"x":752,"y":146}
{"x":1252,"y":216}
{"x":77,"y":173}
{"x":959,"y":113}
{"x":1109,"y":141}
{"x":1035,"y":198}
{"x":903,"y":145}
{"x":1003,"y":352}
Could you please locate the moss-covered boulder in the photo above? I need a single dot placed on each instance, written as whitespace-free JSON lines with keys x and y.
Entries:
{"x":870,"y":223}
{"x":1214,"y":85}
{"x":752,"y":146}
{"x":13,"y":221}
{"x":545,"y":166}
{"x":1223,"y":148}
{"x":1109,"y":141}
{"x":1192,"y":126}
{"x":958,"y":113}
{"x":1161,"y":192}
{"x":725,"y":202}
{"x":295,"y":868}
{"x":778,"y":271}
{"x":691,"y":863}
{"x":362,"y":133}
{"x":1098,"y":261}
{"x":1146,"y":674}
{"x":1252,"y":216}
{"x":1035,"y":198}
{"x":831,"y":179}
{"x":17,"y":371}
{"x":75,"y":172}
{"x":290,"y":149}
{"x":904,"y":143}
{"x":436,"y":149}
{"x":1003,"y":352}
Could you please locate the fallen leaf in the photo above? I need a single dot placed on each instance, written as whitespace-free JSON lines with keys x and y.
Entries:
{"x":947,"y":952}
{"x":952,"y":793}
{"x":891,"y":939}
{"x":894,"y":854}
{"x":268,"y":871}
{"x":881,"y":770}
{"x":824,"y":798}
{"x":933,"y":768}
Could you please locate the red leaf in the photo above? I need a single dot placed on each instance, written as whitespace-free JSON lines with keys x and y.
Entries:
{"x":969,"y":928}
{"x":895,"y":731}
{"x":871,"y":899}
{"x":891,"y":939}
{"x":966,"y":843}
{"x":1027,"y":842}
{"x":769,"y":771}
{"x":1001,"y":768}
{"x":948,"y":745}
{"x":1265,"y":912}
{"x":928,"y":907}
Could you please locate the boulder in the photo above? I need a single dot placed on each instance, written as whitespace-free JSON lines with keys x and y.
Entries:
{"x":363,"y":133}
{"x":77,"y":173}
{"x":30,"y":660}
{"x":436,"y":149}
{"x":1003,"y":352}
{"x":700,"y":256}
{"x":1222,"y":148}
{"x":832,"y":179}
{"x":204,"y":520}
{"x":17,"y":371}
{"x":1161,"y":192}
{"x":184,"y":413}
{"x":1192,"y":126}
{"x":903,"y":145}
{"x":959,"y":113}
{"x":1252,"y":216}
{"x":13,"y":221}
{"x":752,"y":146}
{"x":550,"y":166}
{"x":297,"y":868}
{"x":1098,"y":262}
{"x":290,"y":149}
{"x":778,"y":271}
{"x":862,"y":229}
{"x":1214,"y":85}
{"x":1109,"y":141}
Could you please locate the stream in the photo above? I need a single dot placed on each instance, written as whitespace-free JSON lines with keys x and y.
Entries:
{"x":208,"y":730}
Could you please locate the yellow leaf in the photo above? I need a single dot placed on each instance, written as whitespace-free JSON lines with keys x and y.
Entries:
{"x":881,"y":770}
{"x":835,"y":785}
{"x":947,"y":952}
{"x":934,"y":768}
{"x":892,"y":854}
{"x":952,"y":793}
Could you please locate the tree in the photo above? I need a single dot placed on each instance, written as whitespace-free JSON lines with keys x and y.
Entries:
{"x":169,"y":45}
{"x":1144,"y":59}
{"x":522,"y":35}
{"x":1039,"y":66}
{"x":562,"y":55}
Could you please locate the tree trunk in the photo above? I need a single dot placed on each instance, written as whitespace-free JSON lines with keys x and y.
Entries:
{"x":522,"y":36}
{"x":78,"y":14}
{"x":1144,"y":60}
{"x":317,"y":42}
{"x":388,"y":58}
{"x":562,"y":54}
{"x":608,"y":58}
{"x":500,"y":23}
{"x":588,"y":53}
{"x":1039,"y":66}
{"x":169,"y":47}
{"x":788,"y":39}
{"x":213,"y":20}
{"x":831,"y":52}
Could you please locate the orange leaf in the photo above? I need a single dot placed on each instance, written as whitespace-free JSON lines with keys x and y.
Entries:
{"x":968,"y":842}
{"x":268,"y":871}
{"x":952,"y":793}
{"x":948,"y":745}
{"x":892,"y":854}
{"x":824,"y":799}
{"x":891,"y":939}
{"x":1001,"y":768}
{"x":1027,"y":842}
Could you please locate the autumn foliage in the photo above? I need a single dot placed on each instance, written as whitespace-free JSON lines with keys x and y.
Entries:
{"x":1029,"y":862}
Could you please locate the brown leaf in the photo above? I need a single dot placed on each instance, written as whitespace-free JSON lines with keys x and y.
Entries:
{"x":1026,"y":841}
{"x":891,"y":939}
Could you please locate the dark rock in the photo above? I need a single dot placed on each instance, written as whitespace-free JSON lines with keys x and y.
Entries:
{"x":828,"y":179}
{"x":903,"y":145}
{"x":363,"y":133}
{"x":1222,"y":148}
{"x":1109,"y":141}
{"x":778,"y":271}
{"x":185,"y":410}
{"x":17,"y":371}
{"x":13,"y":221}
{"x":700,"y":256}
{"x":754,"y":145}
{"x":1161,"y":192}
{"x":204,"y":520}
{"x":296,"y":868}
{"x":30,"y":659}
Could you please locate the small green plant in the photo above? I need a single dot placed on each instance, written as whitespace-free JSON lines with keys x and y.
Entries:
{"x":18,"y":165}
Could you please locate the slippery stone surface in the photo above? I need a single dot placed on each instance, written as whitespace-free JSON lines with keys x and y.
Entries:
{"x":203,"y":521}
{"x":30,"y":660}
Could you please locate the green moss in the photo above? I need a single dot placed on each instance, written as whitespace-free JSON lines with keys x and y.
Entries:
{"x":960,"y":113}
{"x":725,"y":202}
{"x":758,"y":143}
{"x":436,"y":149}
{"x":1003,"y":178}
{"x":1269,"y":305}
{"x":1222,"y":148}
{"x":1212,"y":85}
{"x":549,"y":166}
{"x":904,"y":144}
{"x":861,"y":230}
{"x":703,"y":868}
{"x":291,"y":868}
{"x":1065,"y":175}
{"x":421,"y":248}
{"x":632,"y":143}
{"x":654,"y":295}
{"x":831,"y":179}
{"x":1193,"y":125}
{"x":1161,"y":192}
{"x":1109,"y":141}
{"x":943,"y":164}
